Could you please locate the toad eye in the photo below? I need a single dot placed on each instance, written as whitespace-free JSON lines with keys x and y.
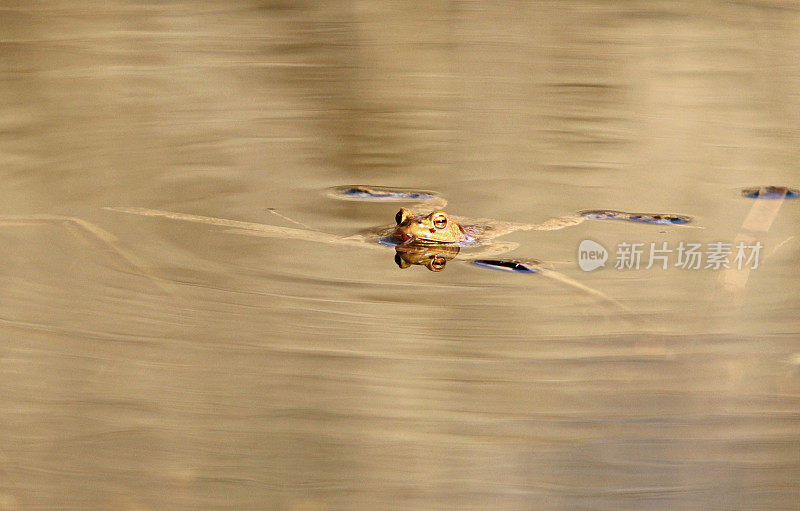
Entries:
{"x":440,"y":222}
{"x":438,"y":263}
{"x":401,"y":216}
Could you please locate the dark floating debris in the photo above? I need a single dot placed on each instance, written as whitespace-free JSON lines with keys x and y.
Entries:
{"x":509,"y":265}
{"x":646,"y":218}
{"x":380,"y":193}
{"x":770,"y":192}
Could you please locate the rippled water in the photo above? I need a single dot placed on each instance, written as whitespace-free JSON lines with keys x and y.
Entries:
{"x":155,"y":364}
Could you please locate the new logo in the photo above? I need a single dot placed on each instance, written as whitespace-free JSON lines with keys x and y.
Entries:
{"x":591,"y":255}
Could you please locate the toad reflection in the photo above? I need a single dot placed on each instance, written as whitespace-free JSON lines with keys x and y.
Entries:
{"x":432,"y":256}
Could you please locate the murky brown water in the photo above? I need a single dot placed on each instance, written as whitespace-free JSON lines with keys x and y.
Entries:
{"x":183,"y":367}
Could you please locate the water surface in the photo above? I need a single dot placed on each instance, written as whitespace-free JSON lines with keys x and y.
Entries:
{"x":184,"y":367}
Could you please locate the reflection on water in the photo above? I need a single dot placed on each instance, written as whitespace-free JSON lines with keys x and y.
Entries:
{"x":646,"y":218}
{"x":382,"y":193}
{"x":432,"y":256}
{"x":512,"y":265}
{"x":154,"y":364}
{"x":770,"y":192}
